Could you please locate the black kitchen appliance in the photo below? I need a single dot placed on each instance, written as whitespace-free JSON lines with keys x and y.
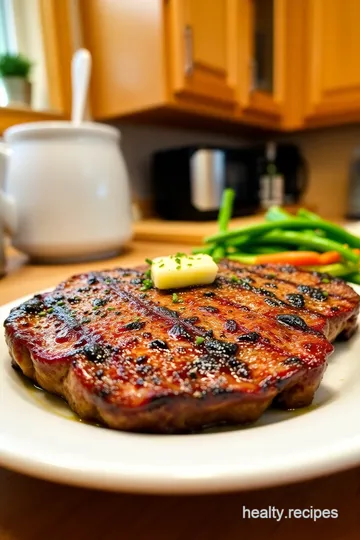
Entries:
{"x":187,"y":182}
{"x":289,"y":163}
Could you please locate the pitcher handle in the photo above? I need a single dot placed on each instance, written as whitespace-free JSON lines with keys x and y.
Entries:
{"x":8,"y":217}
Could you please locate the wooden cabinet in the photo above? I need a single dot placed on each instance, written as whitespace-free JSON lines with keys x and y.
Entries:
{"x":201,"y":37}
{"x":278,"y":64}
{"x":127,"y":41}
{"x":187,"y":55}
{"x":333,"y":61}
{"x":159,"y":55}
{"x":281,"y":64}
{"x":262,"y":62}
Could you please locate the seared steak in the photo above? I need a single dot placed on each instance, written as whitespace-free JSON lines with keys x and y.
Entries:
{"x":136,"y":358}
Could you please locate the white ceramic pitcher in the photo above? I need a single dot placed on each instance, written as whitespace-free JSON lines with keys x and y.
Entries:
{"x":66,"y":194}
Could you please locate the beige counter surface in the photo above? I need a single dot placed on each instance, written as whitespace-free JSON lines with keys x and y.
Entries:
{"x":192,"y":232}
{"x":187,"y":232}
{"x":32,"y":509}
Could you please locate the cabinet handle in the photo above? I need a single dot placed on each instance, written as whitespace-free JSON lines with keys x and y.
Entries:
{"x":188,"y":39}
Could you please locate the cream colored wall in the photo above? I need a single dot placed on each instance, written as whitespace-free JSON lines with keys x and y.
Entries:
{"x":328,"y":153}
{"x":140,"y":141}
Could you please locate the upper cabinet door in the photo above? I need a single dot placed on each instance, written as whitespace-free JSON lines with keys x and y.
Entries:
{"x":201,"y":59}
{"x":333,"y":58}
{"x":261,"y":55}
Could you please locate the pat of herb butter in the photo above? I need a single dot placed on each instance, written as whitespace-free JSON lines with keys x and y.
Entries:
{"x":180,"y":270}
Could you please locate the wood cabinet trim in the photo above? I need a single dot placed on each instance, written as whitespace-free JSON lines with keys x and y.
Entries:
{"x":242,"y":52}
{"x":176,"y":22}
{"x":10,"y":116}
{"x":127,"y":41}
{"x":295,"y":82}
{"x":257,"y":100}
{"x":265,"y":104}
{"x":280,"y":50}
{"x":214,"y":71}
{"x":316,"y":52}
{"x":342,"y":99}
{"x":57,"y":29}
{"x":205,"y":81}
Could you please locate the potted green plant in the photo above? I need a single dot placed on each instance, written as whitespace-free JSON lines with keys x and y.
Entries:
{"x":15,"y":87}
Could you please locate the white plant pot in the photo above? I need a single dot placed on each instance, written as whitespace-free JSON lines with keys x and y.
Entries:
{"x":15,"y":91}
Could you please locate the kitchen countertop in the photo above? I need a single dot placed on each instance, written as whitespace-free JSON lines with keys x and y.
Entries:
{"x":32,"y":509}
{"x":187,"y":232}
{"x":22,"y":278}
{"x":192,"y":232}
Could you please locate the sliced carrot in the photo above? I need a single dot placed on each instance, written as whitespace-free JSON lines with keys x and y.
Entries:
{"x":357,"y":251}
{"x":296,"y":258}
{"x":330,"y":257}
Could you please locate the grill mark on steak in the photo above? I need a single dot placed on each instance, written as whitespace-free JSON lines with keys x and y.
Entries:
{"x":296,"y":275}
{"x":142,"y":305}
{"x":234,"y":379}
{"x":243,"y":317}
{"x":165,"y":314}
{"x":316,"y":321}
{"x":198,"y":329}
{"x":263,"y":318}
{"x":312,"y":304}
{"x":124,"y":354}
{"x":309,"y":311}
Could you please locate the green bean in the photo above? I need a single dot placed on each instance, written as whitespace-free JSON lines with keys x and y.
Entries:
{"x":262,"y":241}
{"x":306,"y":214}
{"x":276,"y":213}
{"x":312,"y":242}
{"x":243,"y":258}
{"x":336,"y":269}
{"x":230,"y":249}
{"x":354,"y":278}
{"x":204,"y":249}
{"x":315,"y":232}
{"x":261,"y":249}
{"x":226,"y":209}
{"x":255,"y":231}
{"x":218,"y":253}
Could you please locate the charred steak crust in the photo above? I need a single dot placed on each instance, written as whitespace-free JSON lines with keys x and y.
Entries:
{"x":135,"y":358}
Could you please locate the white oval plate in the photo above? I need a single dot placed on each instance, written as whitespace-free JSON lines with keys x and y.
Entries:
{"x":39,"y":436}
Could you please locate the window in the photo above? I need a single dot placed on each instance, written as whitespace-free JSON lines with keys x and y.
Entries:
{"x":21,"y":32}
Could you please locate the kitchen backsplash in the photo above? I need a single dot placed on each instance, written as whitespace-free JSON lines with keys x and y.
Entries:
{"x":328,"y":153}
{"x":140,"y":141}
